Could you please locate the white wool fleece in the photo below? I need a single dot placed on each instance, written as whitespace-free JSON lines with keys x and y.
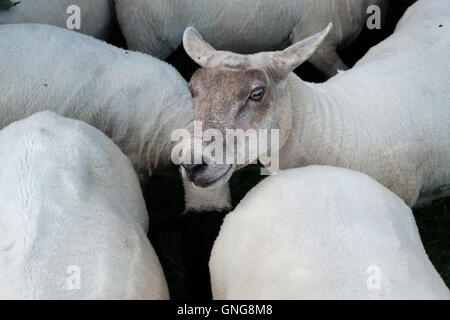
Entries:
{"x":135,"y":99}
{"x":245,"y":26}
{"x":389,"y":116}
{"x":322,"y":233}
{"x":73,"y":220}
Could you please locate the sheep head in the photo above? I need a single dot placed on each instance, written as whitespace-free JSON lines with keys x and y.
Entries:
{"x":240,"y":92}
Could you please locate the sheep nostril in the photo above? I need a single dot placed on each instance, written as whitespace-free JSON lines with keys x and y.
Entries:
{"x":192,"y":168}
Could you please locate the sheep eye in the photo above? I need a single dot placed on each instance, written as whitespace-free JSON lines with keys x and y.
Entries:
{"x":257,"y":94}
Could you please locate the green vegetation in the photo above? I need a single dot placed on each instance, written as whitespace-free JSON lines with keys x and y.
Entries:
{"x":6,"y":4}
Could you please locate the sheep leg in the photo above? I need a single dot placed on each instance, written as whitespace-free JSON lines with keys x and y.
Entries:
{"x":327,"y":60}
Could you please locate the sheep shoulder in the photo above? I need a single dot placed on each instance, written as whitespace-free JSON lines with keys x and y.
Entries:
{"x":135,"y":99}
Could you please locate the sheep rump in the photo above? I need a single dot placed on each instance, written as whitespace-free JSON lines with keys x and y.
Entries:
{"x":322,"y":233}
{"x":71,"y":198}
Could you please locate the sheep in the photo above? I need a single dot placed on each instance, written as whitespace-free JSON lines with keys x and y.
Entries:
{"x":73,"y":219}
{"x":135,"y":99}
{"x":322,"y":233}
{"x":389,"y":116}
{"x":156,"y":26}
{"x":95,"y":15}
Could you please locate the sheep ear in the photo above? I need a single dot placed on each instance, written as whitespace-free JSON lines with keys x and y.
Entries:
{"x":287,"y":60}
{"x":197,"y":48}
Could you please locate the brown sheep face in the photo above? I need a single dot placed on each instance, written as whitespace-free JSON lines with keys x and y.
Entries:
{"x":241,"y":104}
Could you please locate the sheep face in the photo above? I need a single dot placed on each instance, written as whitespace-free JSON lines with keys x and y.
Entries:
{"x":227,"y":99}
{"x":240,"y":94}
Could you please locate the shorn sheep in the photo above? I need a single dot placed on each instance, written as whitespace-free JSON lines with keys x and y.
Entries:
{"x":95,"y":15}
{"x":322,"y":233}
{"x":156,"y":26}
{"x":72,"y":217}
{"x":389,"y":116}
{"x":135,"y":99}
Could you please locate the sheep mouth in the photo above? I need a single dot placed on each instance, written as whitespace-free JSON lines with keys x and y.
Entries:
{"x":206,"y":183}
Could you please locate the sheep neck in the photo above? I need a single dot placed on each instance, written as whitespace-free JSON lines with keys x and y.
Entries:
{"x":318,"y":135}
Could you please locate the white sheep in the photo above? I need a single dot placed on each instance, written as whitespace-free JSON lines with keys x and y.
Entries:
{"x":322,"y":233}
{"x":72,"y":217}
{"x":135,"y":99}
{"x":156,"y":26}
{"x":95,"y":15}
{"x":389,"y":116}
